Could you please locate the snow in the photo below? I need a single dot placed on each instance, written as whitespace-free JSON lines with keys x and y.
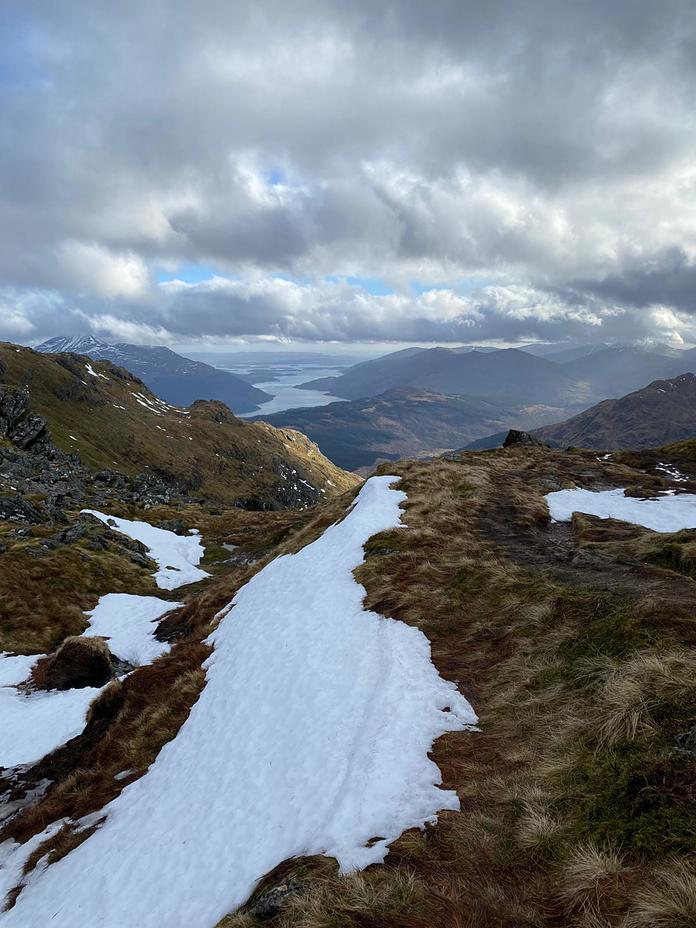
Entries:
{"x":13,"y":856}
{"x":177,"y":556}
{"x":34,"y":724}
{"x":311,"y":736}
{"x":15,"y":668}
{"x":129,"y":623}
{"x":93,"y":373}
{"x":667,"y":514}
{"x":672,"y":472}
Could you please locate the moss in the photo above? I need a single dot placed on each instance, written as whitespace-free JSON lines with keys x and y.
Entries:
{"x":392,"y":542}
{"x":640,"y":796}
{"x":674,"y":556}
{"x":607,"y":626}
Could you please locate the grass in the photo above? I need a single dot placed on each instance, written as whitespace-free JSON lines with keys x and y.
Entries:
{"x":43,"y":598}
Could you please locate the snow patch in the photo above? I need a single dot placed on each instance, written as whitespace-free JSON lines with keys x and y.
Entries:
{"x":128,"y":623}
{"x":177,"y":556}
{"x":15,"y":668}
{"x":34,"y":724}
{"x":669,"y":513}
{"x":311,"y":736}
{"x":93,"y":373}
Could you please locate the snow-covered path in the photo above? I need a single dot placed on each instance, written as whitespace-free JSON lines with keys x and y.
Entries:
{"x":665,"y":514}
{"x":311,"y":736}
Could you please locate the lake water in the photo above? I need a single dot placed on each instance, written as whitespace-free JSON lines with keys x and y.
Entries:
{"x":283,"y":387}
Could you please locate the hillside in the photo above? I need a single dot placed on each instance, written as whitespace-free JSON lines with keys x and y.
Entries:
{"x":113,"y":422}
{"x":662,"y":412}
{"x":615,"y":371}
{"x":504,"y":373}
{"x":176,"y":379}
{"x":569,"y":804}
{"x":405,"y":423}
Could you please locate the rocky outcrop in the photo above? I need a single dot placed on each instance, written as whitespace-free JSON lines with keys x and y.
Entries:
{"x":515,"y":437}
{"x":18,"y":424}
{"x":16,"y":509}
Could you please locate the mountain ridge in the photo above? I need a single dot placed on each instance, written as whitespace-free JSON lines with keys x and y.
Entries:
{"x":174,"y":377}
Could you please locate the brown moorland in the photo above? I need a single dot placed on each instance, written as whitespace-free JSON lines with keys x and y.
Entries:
{"x":574,"y":642}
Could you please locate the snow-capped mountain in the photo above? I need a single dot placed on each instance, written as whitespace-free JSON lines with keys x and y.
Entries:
{"x":177,"y":379}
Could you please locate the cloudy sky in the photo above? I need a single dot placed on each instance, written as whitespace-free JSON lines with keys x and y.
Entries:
{"x":199,"y":172}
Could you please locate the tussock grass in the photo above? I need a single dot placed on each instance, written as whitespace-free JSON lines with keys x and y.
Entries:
{"x":638,"y":693}
{"x":667,"y":899}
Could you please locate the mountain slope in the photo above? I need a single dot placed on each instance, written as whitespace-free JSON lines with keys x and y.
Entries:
{"x":572,"y":640}
{"x":504,"y":373}
{"x":174,"y":378}
{"x":113,"y":421}
{"x":616,"y":371}
{"x":662,"y":412}
{"x":405,"y":422}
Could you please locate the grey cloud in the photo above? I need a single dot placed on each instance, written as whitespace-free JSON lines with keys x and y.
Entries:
{"x":541,"y":145}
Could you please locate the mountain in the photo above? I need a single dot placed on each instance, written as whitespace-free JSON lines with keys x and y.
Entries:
{"x":662,"y":412}
{"x":616,"y":371}
{"x":255,"y":736}
{"x":174,"y":378}
{"x":504,"y":373}
{"x":562,"y":353}
{"x":113,"y":422}
{"x":405,"y":422}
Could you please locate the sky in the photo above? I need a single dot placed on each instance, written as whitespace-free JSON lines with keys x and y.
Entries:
{"x":280,"y":171}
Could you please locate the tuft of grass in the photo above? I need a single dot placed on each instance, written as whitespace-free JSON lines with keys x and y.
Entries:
{"x":667,"y":899}
{"x":593,"y":881}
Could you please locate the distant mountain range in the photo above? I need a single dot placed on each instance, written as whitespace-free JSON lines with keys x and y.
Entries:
{"x":176,"y":379}
{"x":572,"y":378}
{"x":505,"y":373}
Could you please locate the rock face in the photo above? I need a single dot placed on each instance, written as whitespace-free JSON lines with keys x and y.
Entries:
{"x":17,"y":423}
{"x":16,"y":509}
{"x":79,"y":662}
{"x":33,"y":465}
{"x":514,"y":437}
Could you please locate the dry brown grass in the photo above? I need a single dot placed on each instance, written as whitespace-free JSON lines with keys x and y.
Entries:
{"x":636,"y":692}
{"x":42,"y":599}
{"x":667,"y":899}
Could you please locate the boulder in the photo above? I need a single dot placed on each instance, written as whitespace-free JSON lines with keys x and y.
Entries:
{"x":515,"y":437}
{"x":78,"y":662}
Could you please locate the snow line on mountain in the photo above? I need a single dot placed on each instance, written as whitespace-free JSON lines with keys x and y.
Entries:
{"x":311,"y":736}
{"x":664,"y":514}
{"x":177,"y":556}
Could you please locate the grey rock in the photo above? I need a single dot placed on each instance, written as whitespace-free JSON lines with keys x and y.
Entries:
{"x":687,"y":741}
{"x":17,"y":509}
{"x":174,"y":525}
{"x":269,"y":903}
{"x":515,"y":437}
